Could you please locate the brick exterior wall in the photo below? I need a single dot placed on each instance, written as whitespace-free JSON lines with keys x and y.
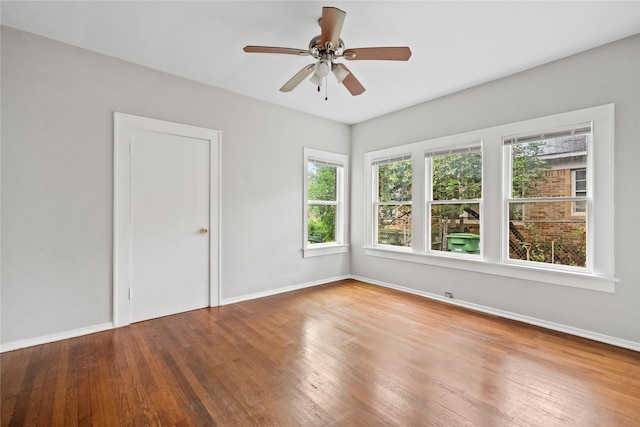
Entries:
{"x":551,"y":232}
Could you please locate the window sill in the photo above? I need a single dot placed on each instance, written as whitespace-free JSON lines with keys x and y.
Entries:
{"x":324,"y":249}
{"x":476,"y":264}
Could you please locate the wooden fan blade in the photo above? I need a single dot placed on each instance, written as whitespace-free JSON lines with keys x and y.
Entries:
{"x":351,"y":83}
{"x":298,"y":78}
{"x":273,"y":49}
{"x":331,"y":26}
{"x":399,"y":53}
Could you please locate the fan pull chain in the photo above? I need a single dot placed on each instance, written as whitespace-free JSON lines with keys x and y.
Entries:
{"x":326,"y":89}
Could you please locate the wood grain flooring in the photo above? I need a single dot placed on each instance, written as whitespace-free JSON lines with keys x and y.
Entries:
{"x":342,"y":354}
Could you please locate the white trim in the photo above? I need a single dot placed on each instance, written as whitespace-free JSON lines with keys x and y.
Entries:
{"x":561,"y":131}
{"x":472,"y":262}
{"x":58,"y":336}
{"x":124,"y":124}
{"x":321,"y":250}
{"x":607,"y":339}
{"x":45,"y":339}
{"x":473,"y":147}
{"x":271,"y":292}
{"x":547,"y":200}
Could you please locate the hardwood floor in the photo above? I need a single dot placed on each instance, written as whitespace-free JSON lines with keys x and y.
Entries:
{"x":343,"y":354}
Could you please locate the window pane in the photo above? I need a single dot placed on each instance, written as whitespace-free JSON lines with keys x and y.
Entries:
{"x":321,"y":223}
{"x":543,"y":168}
{"x":321,"y":181}
{"x":457,"y":176}
{"x":394,"y":225}
{"x":394,"y":181}
{"x":455,"y":227}
{"x":580,"y":188}
{"x":546,"y":232}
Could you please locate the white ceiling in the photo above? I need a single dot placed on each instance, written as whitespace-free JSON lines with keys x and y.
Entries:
{"x":455,"y":44}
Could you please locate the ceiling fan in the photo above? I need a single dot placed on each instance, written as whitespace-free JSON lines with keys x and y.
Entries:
{"x":326,"y":48}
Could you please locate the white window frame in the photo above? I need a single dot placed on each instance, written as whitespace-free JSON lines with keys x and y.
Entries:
{"x":466,"y":148}
{"x":377,"y":203}
{"x":492,"y":258}
{"x":341,"y":244}
{"x":507,"y":170}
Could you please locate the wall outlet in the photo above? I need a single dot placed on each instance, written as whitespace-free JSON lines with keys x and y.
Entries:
{"x":448,"y":294}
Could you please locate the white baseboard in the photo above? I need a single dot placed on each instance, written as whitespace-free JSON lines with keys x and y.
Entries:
{"x":226,"y":301}
{"x":619,"y":342}
{"x":15,"y":345}
{"x":631,"y":345}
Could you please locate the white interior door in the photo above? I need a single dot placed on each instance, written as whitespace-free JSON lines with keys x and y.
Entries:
{"x":166,"y":211}
{"x":169,"y":224}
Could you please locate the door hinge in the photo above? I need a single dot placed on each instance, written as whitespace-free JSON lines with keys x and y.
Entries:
{"x":129,"y":293}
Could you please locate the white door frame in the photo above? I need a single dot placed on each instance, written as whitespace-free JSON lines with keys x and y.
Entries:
{"x":124,"y":124}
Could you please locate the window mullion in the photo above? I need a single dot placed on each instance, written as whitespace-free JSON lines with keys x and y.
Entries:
{"x":323,"y":202}
{"x":454,"y":201}
{"x":548,"y":199}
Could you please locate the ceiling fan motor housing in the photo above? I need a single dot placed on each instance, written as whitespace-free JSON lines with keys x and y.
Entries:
{"x":318,"y":51}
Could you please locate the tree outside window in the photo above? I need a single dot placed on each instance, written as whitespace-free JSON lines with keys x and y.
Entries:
{"x":456,"y":190}
{"x":393,"y":205}
{"x":322,"y":202}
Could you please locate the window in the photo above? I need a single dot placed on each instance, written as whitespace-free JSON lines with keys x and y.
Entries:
{"x":453,"y":202}
{"x":393,"y":201}
{"x":523,"y":202}
{"x":543,"y":198}
{"x":325,"y":177}
{"x":579,"y":189}
{"x":322,"y":201}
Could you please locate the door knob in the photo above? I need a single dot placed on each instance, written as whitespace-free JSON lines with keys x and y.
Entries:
{"x":203,"y":231}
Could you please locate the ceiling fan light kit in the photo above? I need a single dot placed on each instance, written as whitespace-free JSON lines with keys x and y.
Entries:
{"x":326,"y":48}
{"x":339,"y":72}
{"x":322,"y":68}
{"x":316,"y":80}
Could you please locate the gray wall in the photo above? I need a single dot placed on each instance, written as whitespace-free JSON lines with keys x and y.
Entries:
{"x":57,"y":182}
{"x":609,"y":74}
